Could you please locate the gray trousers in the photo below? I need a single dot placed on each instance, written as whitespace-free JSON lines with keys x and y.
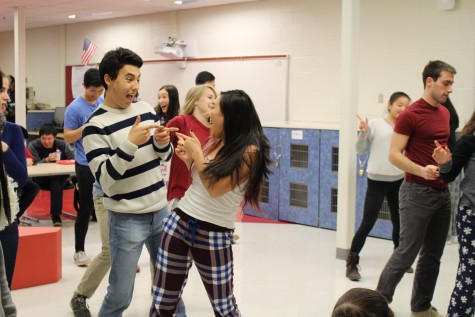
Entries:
{"x":425,"y":216}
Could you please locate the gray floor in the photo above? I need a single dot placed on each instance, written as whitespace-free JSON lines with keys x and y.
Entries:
{"x":280,"y":270}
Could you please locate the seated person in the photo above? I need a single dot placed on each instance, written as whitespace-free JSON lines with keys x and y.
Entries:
{"x":362,"y":302}
{"x":44,"y":150}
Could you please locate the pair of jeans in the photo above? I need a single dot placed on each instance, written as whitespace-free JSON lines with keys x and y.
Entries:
{"x":424,"y":214}
{"x":375,"y":194}
{"x":86,"y":204}
{"x":128,"y":233}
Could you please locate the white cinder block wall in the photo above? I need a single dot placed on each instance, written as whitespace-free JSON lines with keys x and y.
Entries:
{"x":398,"y":37}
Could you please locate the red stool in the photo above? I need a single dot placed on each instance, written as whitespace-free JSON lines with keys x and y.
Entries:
{"x":39,"y":257}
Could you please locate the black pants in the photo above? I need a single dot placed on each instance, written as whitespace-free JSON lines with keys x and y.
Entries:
{"x":86,"y":204}
{"x":55,"y":184}
{"x":26,"y":195}
{"x":375,"y":194}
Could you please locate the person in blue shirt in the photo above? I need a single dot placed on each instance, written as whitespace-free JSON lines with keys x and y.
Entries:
{"x":75,"y":117}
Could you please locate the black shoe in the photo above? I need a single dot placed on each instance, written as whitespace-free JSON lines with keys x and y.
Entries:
{"x":57,"y":221}
{"x":79,"y":306}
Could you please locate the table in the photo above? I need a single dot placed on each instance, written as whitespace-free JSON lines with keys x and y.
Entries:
{"x":50,"y":169}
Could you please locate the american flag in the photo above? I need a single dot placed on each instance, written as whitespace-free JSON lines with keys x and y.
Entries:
{"x":88,"y":50}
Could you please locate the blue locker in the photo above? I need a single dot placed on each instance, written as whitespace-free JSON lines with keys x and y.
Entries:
{"x":270,"y":191}
{"x":328,"y":178}
{"x":299,"y":170}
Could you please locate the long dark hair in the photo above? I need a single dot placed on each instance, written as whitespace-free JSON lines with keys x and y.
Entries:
{"x":469,"y":127}
{"x":5,"y":198}
{"x":242,"y":129}
{"x":454,"y":123}
{"x":173,"y":104}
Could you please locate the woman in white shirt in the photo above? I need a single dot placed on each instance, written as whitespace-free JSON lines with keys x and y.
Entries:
{"x":231,"y":168}
{"x":384,"y":179}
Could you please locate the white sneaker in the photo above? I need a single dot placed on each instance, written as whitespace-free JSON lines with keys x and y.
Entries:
{"x":81,"y":259}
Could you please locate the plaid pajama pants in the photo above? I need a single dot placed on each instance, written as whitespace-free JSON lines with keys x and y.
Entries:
{"x":186,"y":240}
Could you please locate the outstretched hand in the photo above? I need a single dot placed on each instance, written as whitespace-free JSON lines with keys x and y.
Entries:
{"x":441,"y":155}
{"x":139,"y":134}
{"x":187,"y":146}
{"x":363,"y":124}
{"x":162,"y":135}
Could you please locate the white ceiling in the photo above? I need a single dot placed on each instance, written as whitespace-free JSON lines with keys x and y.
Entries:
{"x":41,"y":13}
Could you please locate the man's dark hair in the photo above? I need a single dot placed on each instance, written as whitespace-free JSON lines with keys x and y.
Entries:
{"x":47,"y":129}
{"x":434,"y":68}
{"x":12,"y":79}
{"x":114,"y":60}
{"x":203,"y":77}
{"x":92,"y":78}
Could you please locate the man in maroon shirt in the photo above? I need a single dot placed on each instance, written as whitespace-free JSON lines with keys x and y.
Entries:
{"x":423,"y":197}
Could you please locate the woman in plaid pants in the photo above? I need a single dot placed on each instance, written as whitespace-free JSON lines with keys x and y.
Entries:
{"x":231,"y":168}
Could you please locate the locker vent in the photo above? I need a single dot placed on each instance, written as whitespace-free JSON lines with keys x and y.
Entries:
{"x":298,"y":195}
{"x":334,"y":159}
{"x":384,"y":211}
{"x":299,"y":155}
{"x":334,"y":201}
{"x":265,"y":192}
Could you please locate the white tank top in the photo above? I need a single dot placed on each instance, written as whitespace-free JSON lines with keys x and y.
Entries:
{"x":220,"y":211}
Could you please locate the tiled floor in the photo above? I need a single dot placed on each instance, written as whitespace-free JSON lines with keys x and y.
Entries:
{"x":280,"y":270}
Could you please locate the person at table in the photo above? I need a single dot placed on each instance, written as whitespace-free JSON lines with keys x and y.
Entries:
{"x":75,"y":117}
{"x":44,"y":150}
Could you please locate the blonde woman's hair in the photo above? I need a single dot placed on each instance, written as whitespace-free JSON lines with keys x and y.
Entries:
{"x":193,"y":95}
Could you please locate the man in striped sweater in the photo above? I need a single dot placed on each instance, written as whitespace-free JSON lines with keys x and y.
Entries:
{"x":124,"y":146}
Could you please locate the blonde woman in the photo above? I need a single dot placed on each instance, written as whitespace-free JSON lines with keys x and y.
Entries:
{"x":194,"y":117}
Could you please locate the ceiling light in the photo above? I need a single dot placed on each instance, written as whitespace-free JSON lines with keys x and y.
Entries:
{"x":101,"y":13}
{"x":178,"y":2}
{"x":72,"y":16}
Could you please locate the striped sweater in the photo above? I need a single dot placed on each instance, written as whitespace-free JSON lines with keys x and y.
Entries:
{"x":128,"y":174}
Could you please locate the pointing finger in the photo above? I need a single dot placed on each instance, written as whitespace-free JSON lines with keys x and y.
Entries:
{"x":137,"y":121}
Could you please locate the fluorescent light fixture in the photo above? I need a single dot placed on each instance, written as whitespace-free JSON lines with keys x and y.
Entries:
{"x":72,"y":16}
{"x":100,"y":13}
{"x":178,"y":2}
